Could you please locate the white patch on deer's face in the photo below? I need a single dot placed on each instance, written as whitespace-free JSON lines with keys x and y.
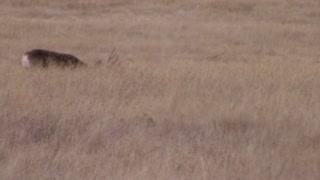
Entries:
{"x":25,"y":61}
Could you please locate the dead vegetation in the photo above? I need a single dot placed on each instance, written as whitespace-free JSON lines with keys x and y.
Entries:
{"x":199,"y":90}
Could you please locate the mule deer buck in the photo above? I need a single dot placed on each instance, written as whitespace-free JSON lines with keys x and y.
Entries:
{"x":45,"y":58}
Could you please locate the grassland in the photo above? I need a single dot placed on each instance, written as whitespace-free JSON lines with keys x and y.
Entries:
{"x":207,"y":89}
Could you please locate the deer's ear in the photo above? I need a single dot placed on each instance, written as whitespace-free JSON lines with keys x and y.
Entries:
{"x":98,"y":62}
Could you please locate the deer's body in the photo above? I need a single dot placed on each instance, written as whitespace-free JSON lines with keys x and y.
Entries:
{"x":45,"y":58}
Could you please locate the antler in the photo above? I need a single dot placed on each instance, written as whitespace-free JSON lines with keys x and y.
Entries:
{"x":113,"y":57}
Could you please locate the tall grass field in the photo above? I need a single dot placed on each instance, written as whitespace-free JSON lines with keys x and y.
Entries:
{"x":202,"y":90}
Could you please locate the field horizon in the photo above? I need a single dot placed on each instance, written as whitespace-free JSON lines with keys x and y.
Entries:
{"x":208,"y":89}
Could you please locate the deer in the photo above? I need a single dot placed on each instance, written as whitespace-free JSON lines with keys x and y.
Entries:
{"x":45,"y":58}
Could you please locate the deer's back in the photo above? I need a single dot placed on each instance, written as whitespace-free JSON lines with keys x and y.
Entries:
{"x":45,"y":58}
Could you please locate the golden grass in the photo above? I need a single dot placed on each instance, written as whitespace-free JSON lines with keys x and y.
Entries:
{"x":202,"y":90}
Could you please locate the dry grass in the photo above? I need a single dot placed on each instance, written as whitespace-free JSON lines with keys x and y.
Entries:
{"x":215,"y":89}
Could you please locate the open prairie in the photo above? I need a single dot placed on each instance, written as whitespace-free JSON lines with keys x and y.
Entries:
{"x":206,"y":89}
